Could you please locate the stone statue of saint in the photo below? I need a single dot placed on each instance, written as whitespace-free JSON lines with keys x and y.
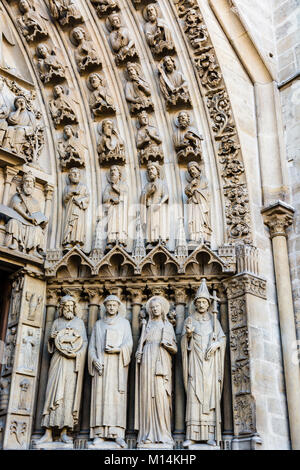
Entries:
{"x":137,"y":90}
{"x":198,"y":205}
{"x":111,"y":148}
{"x":76,"y":198}
{"x":116,"y":199}
{"x":148,"y":140}
{"x":203,"y":350}
{"x":70,"y":149}
{"x":4,"y":113}
{"x":158,"y":34}
{"x":153,"y":400}
{"x":120,"y":39}
{"x":68,"y":343}
{"x":173,"y":85}
{"x":155,"y":210}
{"x":187,"y":140}
{"x":108,"y":360}
{"x":61,"y":107}
{"x":86,"y":55}
{"x":48,"y":65}
{"x":100,"y":99}
{"x":21,"y":126}
{"x":32,"y":24}
{"x":25,"y":229}
{"x":65,"y":11}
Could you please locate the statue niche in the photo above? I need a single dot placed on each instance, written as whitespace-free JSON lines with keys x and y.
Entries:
{"x":120,"y":40}
{"x":111,"y":148}
{"x":70,"y":149}
{"x":158,"y":34}
{"x":50,"y":69}
{"x":137,"y":90}
{"x":32,"y":22}
{"x":100,"y":100}
{"x":65,"y":11}
{"x":61,"y":107}
{"x":105,"y":7}
{"x":187,"y":141}
{"x":86,"y":56}
{"x":25,"y":229}
{"x":148,"y":140}
{"x":173,"y":85}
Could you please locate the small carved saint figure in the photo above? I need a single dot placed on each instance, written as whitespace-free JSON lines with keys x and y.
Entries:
{"x":100,"y":100}
{"x":10,"y":345}
{"x":70,"y":149}
{"x":24,"y":388}
{"x":173,"y":85}
{"x":111,"y":148}
{"x":203,"y":350}
{"x":4,"y":113}
{"x":120,"y":39}
{"x":50,"y":69}
{"x":158,"y":34}
{"x":86,"y":56}
{"x":109,"y":356}
{"x":25,"y":229}
{"x":105,"y":7}
{"x":153,"y":400}
{"x":148,"y":140}
{"x":31,"y":23}
{"x":28,"y":348}
{"x":65,"y":11}
{"x":76,"y":199}
{"x":68,"y":344}
{"x":137,"y":90}
{"x":21,"y":126}
{"x":195,"y":30}
{"x":61,"y":107}
{"x":115,"y":197}
{"x":187,"y":141}
{"x":155,"y":209}
{"x":4,"y":393}
{"x":198,"y":205}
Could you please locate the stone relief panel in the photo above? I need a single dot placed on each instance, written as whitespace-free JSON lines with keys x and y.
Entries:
{"x":22,"y":395}
{"x":18,"y":429}
{"x":29,"y":350}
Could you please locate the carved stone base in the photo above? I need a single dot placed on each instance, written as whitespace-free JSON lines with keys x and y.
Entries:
{"x":155,"y":446}
{"x":55,"y":445}
{"x":203,"y":446}
{"x":106,"y":445}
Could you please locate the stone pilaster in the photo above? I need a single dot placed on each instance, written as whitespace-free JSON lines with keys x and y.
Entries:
{"x":278,"y":217}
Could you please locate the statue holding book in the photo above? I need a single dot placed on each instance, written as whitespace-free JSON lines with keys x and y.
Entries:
{"x":108,"y":361}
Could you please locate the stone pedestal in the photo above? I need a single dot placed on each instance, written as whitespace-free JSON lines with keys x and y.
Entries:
{"x":55,"y":445}
{"x":105,"y":445}
{"x":155,"y":446}
{"x":202,"y":446}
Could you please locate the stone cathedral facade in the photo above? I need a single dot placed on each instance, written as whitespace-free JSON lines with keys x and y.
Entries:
{"x":148,"y":150}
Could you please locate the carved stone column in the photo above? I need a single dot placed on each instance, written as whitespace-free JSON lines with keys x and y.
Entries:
{"x":9,"y":174}
{"x":246,"y":295}
{"x":24,"y":366}
{"x":278,"y":218}
{"x":180,"y":301}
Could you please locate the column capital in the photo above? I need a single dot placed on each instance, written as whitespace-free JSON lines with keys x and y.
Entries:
{"x":136,"y":295}
{"x":278,"y":217}
{"x":10,"y":173}
{"x":180,"y":295}
{"x":48,"y":191}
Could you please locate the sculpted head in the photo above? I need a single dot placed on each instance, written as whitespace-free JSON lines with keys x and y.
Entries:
{"x":58,"y":91}
{"x":42,"y":50}
{"x":183,"y":119}
{"x":20,"y":103}
{"x":202,"y":305}
{"x":202,"y":299}
{"x":115,"y":174}
{"x":143,"y":118}
{"x":67,"y":307}
{"x":107,"y":127}
{"x":24,"y":6}
{"x":68,"y":132}
{"x":194,"y":169}
{"x":133,"y":70}
{"x":158,"y":308}
{"x":112,"y":304}
{"x":191,"y":16}
{"x":95,"y":80}
{"x":169,"y":64}
{"x":74,"y":175}
{"x":151,"y":13}
{"x":78,"y":34}
{"x":115,"y":21}
{"x":28,"y":183}
{"x":153,"y":170}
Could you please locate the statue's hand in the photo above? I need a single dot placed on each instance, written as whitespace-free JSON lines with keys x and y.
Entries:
{"x":138,"y":356}
{"x":212,"y":349}
{"x":110,"y":350}
{"x":99,"y":366}
{"x":189,"y":328}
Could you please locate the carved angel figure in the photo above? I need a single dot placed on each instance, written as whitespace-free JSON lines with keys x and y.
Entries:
{"x":157,"y":33}
{"x":61,"y":108}
{"x":195,"y":30}
{"x":137,"y":90}
{"x":31,"y":23}
{"x":187,"y":141}
{"x":70,"y":149}
{"x":148,"y":140}
{"x":50,"y":69}
{"x":105,"y":7}
{"x":120,"y":39}
{"x":65,"y":11}
{"x":173,"y":85}
{"x":85,"y":54}
{"x":111,"y":147}
{"x":100,"y":99}
{"x":4,"y":113}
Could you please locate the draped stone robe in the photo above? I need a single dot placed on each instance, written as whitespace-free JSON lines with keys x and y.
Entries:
{"x":200,"y":377}
{"x":153,"y":396}
{"x":64,"y":387}
{"x":117,"y":213}
{"x":156,"y":218}
{"x":76,"y":205}
{"x":22,"y":125}
{"x":198,"y":210}
{"x":109,"y":390}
